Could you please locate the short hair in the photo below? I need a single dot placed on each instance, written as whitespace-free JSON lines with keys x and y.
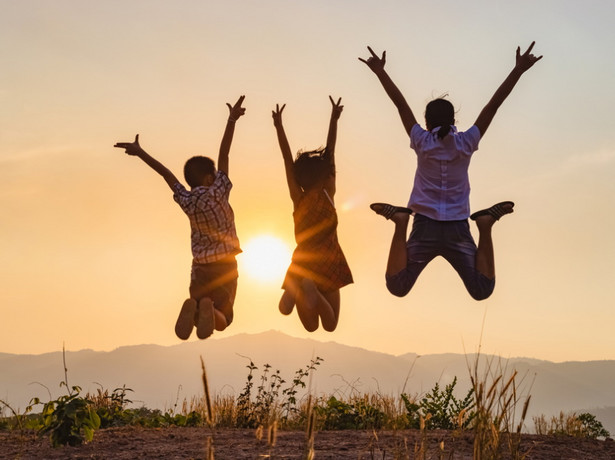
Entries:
{"x":440,"y":112}
{"x":312,"y":167}
{"x":196,"y":168}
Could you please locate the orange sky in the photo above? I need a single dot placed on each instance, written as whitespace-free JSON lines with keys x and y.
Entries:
{"x":96,"y":254}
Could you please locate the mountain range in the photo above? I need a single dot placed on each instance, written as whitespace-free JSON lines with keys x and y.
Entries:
{"x":160,"y":376}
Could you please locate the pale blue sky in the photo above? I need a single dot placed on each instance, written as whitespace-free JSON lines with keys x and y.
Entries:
{"x":96,"y":254}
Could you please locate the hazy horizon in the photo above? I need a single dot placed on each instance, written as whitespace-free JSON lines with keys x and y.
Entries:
{"x":157,"y":375}
{"x":192,"y":340}
{"x":96,"y":254}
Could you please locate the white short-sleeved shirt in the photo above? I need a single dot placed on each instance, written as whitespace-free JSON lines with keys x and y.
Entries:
{"x":212,"y":222}
{"x":441,"y":188}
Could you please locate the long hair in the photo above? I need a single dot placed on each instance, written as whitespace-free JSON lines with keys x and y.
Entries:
{"x":440,"y":113}
{"x":312,"y":167}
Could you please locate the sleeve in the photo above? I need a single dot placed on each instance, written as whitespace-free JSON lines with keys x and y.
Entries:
{"x":180,"y":195}
{"x":417,"y":135}
{"x":222,"y":185}
{"x":471,"y":138}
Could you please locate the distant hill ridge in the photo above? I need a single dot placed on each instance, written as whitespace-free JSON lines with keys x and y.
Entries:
{"x":159,"y":374}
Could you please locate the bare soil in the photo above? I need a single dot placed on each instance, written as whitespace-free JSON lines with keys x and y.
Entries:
{"x":191,"y":443}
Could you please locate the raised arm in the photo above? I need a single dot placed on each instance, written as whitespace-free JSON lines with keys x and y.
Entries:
{"x":336,"y":111}
{"x":523,"y":63}
{"x":134,"y":149}
{"x":235,"y":111}
{"x":376,"y":64}
{"x":287,"y":156}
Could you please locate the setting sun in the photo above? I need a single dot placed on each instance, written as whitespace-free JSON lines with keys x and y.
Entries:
{"x":266,"y":258}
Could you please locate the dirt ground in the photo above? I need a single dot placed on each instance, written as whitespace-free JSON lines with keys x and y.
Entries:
{"x":191,"y":443}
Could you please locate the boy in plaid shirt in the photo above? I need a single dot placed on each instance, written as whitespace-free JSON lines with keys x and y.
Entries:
{"x":214,"y":240}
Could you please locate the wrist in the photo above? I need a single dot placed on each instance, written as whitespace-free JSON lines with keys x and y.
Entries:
{"x":518,"y":71}
{"x":231,"y":120}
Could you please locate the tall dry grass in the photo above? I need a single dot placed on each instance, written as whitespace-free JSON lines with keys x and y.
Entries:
{"x":500,"y":411}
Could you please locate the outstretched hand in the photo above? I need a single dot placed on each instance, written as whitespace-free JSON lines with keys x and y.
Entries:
{"x":336,"y":108}
{"x":277,"y":115}
{"x":526,"y":60}
{"x":375,"y":63}
{"x":236,"y":111}
{"x":132,"y":148}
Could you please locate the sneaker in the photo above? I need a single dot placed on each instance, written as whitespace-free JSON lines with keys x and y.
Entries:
{"x":205,"y":318}
{"x":185,"y":320}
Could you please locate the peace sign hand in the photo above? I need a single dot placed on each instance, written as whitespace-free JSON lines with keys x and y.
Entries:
{"x":336,"y":108}
{"x":277,"y":115}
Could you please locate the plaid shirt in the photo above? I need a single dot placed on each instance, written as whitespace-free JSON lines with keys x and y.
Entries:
{"x":212,"y":221}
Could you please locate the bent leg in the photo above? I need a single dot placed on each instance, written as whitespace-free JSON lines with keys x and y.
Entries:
{"x":216,"y":281}
{"x":313,"y":304}
{"x":461,"y":252}
{"x":333,"y":299}
{"x":287,"y":301}
{"x":421,"y":248}
{"x":186,"y":319}
{"x":224,"y":300}
{"x":398,"y":257}
{"x":306,"y":300}
{"x":485,"y":258}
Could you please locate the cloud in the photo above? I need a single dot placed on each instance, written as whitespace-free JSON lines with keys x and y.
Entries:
{"x":588,"y":159}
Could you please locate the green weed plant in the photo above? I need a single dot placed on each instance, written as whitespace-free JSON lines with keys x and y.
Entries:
{"x":440,"y":409}
{"x":70,"y":419}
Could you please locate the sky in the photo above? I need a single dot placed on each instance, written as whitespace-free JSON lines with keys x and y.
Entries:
{"x":95,"y":254}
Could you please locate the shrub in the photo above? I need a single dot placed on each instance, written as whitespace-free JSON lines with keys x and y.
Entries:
{"x":580,"y":426}
{"x":70,"y":419}
{"x":440,"y":409}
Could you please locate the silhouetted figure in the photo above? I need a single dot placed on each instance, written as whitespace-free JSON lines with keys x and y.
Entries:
{"x":318,"y":269}
{"x":213,"y":280}
{"x":440,"y":196}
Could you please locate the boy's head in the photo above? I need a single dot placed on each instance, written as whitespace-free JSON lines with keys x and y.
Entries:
{"x":199,"y":170}
{"x":439,"y":112}
{"x":313,"y":167}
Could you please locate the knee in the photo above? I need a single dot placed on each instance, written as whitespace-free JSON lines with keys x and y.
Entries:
{"x":480,"y":295}
{"x":398,"y":289}
{"x":329,"y":327}
{"x":483,"y":290}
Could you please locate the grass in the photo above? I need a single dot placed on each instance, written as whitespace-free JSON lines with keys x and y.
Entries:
{"x":494,"y":411}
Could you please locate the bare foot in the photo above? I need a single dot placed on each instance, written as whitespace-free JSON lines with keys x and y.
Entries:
{"x":205,"y":320}
{"x":287,"y":303}
{"x":185,"y":320}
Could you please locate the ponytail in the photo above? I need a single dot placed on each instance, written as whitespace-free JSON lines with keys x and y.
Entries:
{"x":440,"y":116}
{"x":443,"y":131}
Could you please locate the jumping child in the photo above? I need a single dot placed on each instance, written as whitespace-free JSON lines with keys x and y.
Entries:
{"x":213,"y":281}
{"x":439,"y":200}
{"x":318,"y":269}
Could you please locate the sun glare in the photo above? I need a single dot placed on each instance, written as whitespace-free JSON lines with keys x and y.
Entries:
{"x":265,"y":258}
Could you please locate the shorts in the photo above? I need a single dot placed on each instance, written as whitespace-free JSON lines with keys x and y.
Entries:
{"x":217,"y":281}
{"x":450,"y":239}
